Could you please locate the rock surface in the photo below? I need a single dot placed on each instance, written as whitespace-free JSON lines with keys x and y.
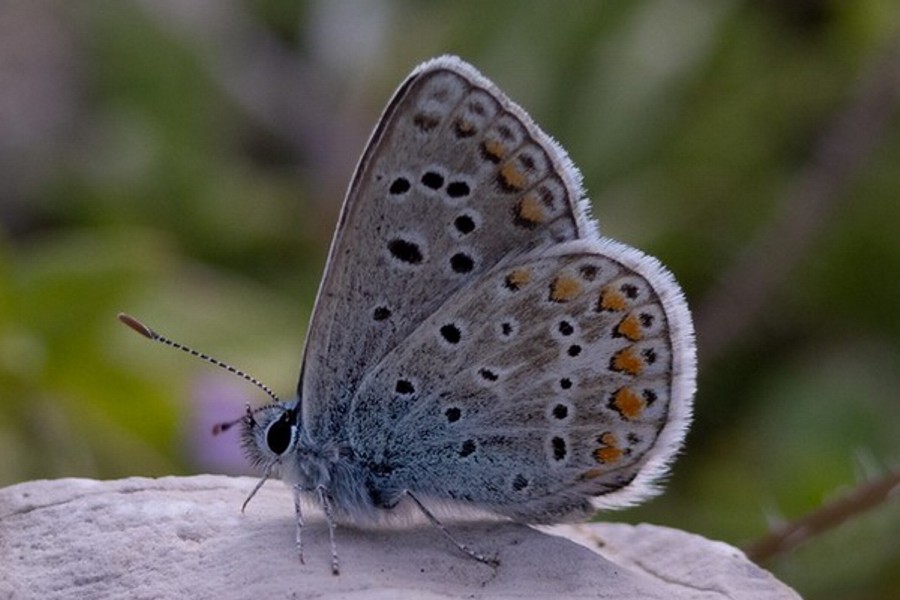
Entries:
{"x":180,"y":537}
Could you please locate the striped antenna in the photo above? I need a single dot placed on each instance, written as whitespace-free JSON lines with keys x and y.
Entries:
{"x":145,"y":331}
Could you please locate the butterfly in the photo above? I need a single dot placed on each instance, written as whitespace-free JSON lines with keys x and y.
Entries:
{"x":475,"y":341}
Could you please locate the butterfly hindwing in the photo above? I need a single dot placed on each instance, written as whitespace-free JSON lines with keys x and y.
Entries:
{"x":555,"y":378}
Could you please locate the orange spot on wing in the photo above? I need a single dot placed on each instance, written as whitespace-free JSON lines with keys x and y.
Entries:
{"x":627,"y":403}
{"x":564,"y":288}
{"x":531,"y":210}
{"x":609,"y":451}
{"x":464,"y":128}
{"x":493,"y":150}
{"x":518,"y":278}
{"x":627,"y":361}
{"x":592,"y":473}
{"x":512,"y":178}
{"x":630,"y":327}
{"x":612,"y":299}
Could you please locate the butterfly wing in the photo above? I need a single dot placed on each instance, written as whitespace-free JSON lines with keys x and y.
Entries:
{"x":454,"y":178}
{"x":558,"y":382}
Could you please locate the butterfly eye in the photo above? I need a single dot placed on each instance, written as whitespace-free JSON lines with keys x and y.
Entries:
{"x":280,"y":434}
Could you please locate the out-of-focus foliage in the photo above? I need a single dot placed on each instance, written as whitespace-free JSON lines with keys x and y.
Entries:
{"x":185,"y":161}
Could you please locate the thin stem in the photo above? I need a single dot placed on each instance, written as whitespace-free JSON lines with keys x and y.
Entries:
{"x":861,"y":499}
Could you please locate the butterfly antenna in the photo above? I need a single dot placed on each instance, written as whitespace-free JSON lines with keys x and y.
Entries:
{"x":156,"y":337}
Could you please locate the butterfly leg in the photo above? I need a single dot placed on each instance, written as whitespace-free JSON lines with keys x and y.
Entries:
{"x":299,"y":513}
{"x":462,"y":547}
{"x":329,"y":517}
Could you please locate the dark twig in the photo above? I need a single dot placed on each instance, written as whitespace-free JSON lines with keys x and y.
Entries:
{"x":860,"y":499}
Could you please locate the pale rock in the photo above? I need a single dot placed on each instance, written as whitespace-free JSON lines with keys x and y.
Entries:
{"x":185,"y":537}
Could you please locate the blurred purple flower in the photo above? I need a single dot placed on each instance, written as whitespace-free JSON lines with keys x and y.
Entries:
{"x":216,"y":399}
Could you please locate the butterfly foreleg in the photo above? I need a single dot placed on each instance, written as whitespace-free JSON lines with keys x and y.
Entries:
{"x":298,"y":512}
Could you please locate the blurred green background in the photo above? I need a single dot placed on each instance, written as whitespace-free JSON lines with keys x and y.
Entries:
{"x":186,"y":161}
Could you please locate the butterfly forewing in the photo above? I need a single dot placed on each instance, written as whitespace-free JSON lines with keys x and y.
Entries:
{"x":454,"y":179}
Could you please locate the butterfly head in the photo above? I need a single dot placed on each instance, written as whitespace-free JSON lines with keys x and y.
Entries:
{"x":269,"y":433}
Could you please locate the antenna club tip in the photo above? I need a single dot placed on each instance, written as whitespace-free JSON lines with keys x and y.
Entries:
{"x":136,"y":325}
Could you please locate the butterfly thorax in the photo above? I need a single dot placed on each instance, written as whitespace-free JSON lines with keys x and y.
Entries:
{"x":275,"y":439}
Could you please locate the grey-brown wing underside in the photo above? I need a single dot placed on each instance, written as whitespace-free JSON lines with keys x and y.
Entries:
{"x":455,"y":178}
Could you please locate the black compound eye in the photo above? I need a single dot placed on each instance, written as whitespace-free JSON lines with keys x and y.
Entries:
{"x":278,"y":436}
